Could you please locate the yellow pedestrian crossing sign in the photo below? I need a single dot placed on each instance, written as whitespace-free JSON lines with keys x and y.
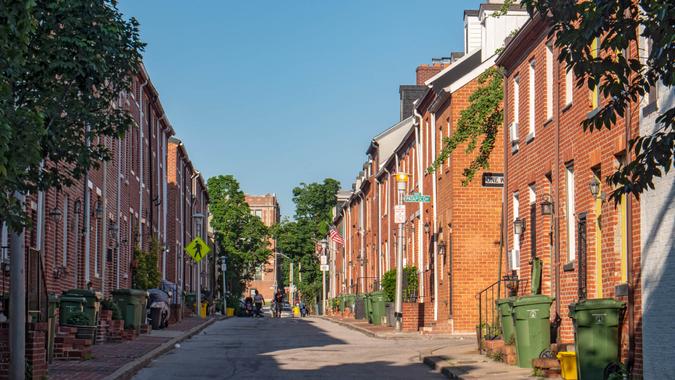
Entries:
{"x":197,"y":249}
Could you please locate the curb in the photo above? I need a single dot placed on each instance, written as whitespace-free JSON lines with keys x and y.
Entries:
{"x":438,"y":363}
{"x":129,"y":370}
{"x":352,"y":327}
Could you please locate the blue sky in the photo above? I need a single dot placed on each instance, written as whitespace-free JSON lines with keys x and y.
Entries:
{"x":282,"y":92}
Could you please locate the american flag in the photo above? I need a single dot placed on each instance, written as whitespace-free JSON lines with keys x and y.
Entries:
{"x":336,"y":237}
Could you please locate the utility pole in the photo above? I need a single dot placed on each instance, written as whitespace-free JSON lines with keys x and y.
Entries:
{"x":17,"y":300}
{"x":223,"y":266}
{"x":290,"y":282}
{"x":401,"y":181}
{"x":324,"y":260}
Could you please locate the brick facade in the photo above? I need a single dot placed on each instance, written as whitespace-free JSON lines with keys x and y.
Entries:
{"x":266,"y":207}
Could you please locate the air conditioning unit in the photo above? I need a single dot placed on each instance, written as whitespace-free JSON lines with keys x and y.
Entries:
{"x":513,"y":132}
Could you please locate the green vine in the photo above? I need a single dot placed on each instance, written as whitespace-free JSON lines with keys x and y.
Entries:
{"x":146,"y":271}
{"x":481,"y":119}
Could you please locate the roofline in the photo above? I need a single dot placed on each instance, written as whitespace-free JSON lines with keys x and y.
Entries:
{"x":454,"y":64}
{"x":520,"y":42}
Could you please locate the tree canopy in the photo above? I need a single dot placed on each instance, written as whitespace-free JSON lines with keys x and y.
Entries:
{"x":63,"y":65}
{"x":297,"y":239}
{"x":242,"y":237}
{"x":621,"y":78}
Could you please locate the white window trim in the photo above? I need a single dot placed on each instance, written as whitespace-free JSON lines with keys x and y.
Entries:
{"x":569,"y":86}
{"x":64,"y":255}
{"x":549,"y":81}
{"x":532,"y":99}
{"x":515,"y":253}
{"x":571,"y":218}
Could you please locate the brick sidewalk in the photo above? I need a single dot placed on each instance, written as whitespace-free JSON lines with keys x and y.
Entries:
{"x":108,"y":357}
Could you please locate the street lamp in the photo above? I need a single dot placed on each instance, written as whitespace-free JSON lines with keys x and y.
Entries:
{"x":546,"y":204}
{"x":595,"y":188}
{"x":518,"y":226}
{"x":401,"y":183}
{"x":99,"y":210}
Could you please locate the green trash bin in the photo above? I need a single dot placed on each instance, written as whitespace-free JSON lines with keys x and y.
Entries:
{"x":533,"y":328}
{"x":596,"y":335}
{"x":505,"y":307}
{"x":341,"y":304}
{"x":132,"y":305}
{"x":92,"y":305}
{"x":378,"y":301}
{"x":368,"y":307}
{"x":70,"y":305}
{"x":191,"y":301}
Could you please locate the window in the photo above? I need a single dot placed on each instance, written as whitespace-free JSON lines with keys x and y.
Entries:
{"x":516,"y":99}
{"x":531,"y":95}
{"x":594,"y":93}
{"x":96,"y":244}
{"x":448,"y":133}
{"x":623,"y":226}
{"x":549,"y":80}
{"x":4,"y":242}
{"x":598,"y":235}
{"x":569,"y":85}
{"x":571,"y":218}
{"x":64,"y":247}
{"x":533,"y":219}
{"x":257,"y":212}
{"x":515,"y":252}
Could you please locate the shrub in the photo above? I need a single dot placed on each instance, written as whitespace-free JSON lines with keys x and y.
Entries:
{"x":410,"y":286}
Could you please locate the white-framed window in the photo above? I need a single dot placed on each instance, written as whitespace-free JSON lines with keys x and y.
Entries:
{"x":516,"y":99}
{"x":571,"y":217}
{"x":569,"y":85}
{"x":515,"y":252}
{"x":4,"y":242}
{"x":64,"y":253}
{"x":549,"y":80}
{"x":532,"y":98}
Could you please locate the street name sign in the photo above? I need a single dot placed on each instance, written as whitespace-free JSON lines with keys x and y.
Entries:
{"x":197,"y":249}
{"x":417,"y":197}
{"x":493,"y":180}
{"x":324,"y":267}
{"x":399,"y":214}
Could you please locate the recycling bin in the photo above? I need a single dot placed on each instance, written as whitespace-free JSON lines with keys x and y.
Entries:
{"x":70,"y":305}
{"x":132,"y":305}
{"x":533,"y":328}
{"x":191,"y":301}
{"x":92,"y":305}
{"x":505,"y":307}
{"x":378,"y":300}
{"x":596,"y":335}
{"x":341,"y":303}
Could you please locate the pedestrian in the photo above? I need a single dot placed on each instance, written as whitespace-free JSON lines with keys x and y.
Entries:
{"x":278,"y":303}
{"x":258,"y":300}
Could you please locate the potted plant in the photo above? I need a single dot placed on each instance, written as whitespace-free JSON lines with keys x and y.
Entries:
{"x":85,"y":329}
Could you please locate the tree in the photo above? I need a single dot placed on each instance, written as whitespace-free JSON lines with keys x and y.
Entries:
{"x":63,"y":65}
{"x":241,"y":236}
{"x":297,"y":239}
{"x":620,"y":77}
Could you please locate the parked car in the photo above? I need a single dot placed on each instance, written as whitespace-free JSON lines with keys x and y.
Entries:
{"x":158,"y":308}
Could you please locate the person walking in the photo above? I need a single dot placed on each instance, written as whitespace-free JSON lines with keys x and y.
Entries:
{"x":258,"y":300}
{"x":278,"y":303}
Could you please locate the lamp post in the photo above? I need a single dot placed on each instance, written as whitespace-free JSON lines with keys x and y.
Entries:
{"x":401,"y":182}
{"x":324,"y":251}
{"x":198,"y":216}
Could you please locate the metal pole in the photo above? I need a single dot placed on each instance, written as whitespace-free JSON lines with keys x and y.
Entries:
{"x":17,"y":301}
{"x":290,"y":282}
{"x":323,"y":292}
{"x":224,"y":267}
{"x":199,"y":276}
{"x":401,"y":180}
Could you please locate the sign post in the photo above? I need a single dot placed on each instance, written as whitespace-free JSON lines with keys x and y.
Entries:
{"x":401,"y":182}
{"x":198,"y":249}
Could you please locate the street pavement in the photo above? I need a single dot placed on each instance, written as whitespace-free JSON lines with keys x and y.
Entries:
{"x":290,"y":348}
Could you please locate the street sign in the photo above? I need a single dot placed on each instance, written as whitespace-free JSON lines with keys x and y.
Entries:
{"x":324,"y":259}
{"x":197,"y":249}
{"x":324,"y":267}
{"x":493,"y":180}
{"x":416,"y":197}
{"x":399,"y":214}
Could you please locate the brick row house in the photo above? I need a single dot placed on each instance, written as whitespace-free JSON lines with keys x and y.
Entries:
{"x":265,"y":207}
{"x":85,"y":235}
{"x":546,"y":175}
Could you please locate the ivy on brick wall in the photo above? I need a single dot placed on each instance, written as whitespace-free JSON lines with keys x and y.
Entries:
{"x":477,"y":126}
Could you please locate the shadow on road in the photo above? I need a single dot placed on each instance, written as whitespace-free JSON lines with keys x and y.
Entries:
{"x":243,"y":348}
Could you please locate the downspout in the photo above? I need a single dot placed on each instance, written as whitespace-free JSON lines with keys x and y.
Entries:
{"x":104,"y":242}
{"x":379,"y":232}
{"x":117,"y":213}
{"x":151,"y":197}
{"x":420,"y":186}
{"x":349,"y":251}
{"x":629,"y":254}
{"x":435,"y":216}
{"x":504,"y":240}
{"x":556,"y":208}
{"x":141,"y":185}
{"x":87,"y":216}
{"x":362,"y":240}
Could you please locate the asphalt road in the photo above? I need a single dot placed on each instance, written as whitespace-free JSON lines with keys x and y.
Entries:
{"x":290,"y":348}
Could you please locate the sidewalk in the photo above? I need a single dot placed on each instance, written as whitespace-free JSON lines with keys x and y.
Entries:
{"x":457,"y":359}
{"x":122,"y":360}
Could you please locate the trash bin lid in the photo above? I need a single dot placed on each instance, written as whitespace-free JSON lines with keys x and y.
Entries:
{"x":502,"y":301}
{"x":532,"y":300}
{"x":82,"y":293}
{"x":73,"y":299}
{"x":599,"y":303}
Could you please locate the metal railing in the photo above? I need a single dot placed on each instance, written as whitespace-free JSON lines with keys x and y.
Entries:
{"x":489,"y":325}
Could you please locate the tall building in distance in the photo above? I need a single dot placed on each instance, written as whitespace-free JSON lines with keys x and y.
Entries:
{"x":267,"y":209}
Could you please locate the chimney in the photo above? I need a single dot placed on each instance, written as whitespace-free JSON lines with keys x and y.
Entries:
{"x":424,"y":72}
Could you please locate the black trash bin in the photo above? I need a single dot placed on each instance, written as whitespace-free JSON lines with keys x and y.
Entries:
{"x":360,"y":307}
